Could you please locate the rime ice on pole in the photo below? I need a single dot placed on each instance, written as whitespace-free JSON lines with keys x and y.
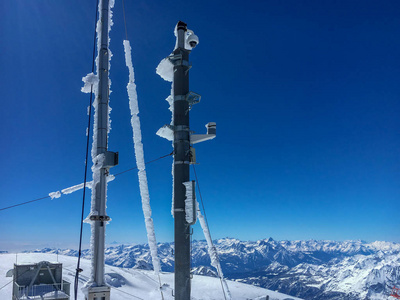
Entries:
{"x":54,"y":195}
{"x":137,"y":139}
{"x":90,"y":80}
{"x":93,"y":80}
{"x":89,"y":185}
{"x":212,"y":252}
{"x":189,"y":203}
{"x":166,"y":71}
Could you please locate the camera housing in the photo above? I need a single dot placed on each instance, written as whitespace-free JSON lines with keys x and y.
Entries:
{"x":192,"y":40}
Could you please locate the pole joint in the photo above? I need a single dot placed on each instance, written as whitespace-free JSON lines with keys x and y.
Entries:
{"x":99,"y":218}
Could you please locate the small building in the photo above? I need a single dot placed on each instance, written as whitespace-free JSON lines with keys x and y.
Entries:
{"x":41,"y":280}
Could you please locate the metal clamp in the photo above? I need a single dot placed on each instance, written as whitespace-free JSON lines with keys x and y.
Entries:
{"x":192,"y":98}
{"x":177,"y":60}
{"x":181,"y":128}
{"x":100,"y":218}
{"x":181,"y":162}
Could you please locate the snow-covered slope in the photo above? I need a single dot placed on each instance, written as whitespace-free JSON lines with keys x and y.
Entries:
{"x":130,"y":283}
{"x":306,"y":269}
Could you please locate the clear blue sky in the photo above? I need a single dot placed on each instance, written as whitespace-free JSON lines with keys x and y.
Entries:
{"x":305,"y":95}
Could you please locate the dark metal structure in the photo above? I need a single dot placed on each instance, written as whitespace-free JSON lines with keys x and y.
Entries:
{"x":181,"y":165}
{"x":184,"y":155}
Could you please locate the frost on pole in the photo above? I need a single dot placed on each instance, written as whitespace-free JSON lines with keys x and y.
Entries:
{"x":98,"y":160}
{"x":137,"y":140}
{"x":89,"y":185}
{"x":212,"y":252}
{"x":90,"y":80}
{"x":191,"y":205}
{"x":54,"y":195}
{"x":166,"y":71}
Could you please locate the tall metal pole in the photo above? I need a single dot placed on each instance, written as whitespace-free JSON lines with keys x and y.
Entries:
{"x":97,"y":287}
{"x":181,"y":167}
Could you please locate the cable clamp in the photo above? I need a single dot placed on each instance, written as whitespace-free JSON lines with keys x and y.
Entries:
{"x":177,"y":60}
{"x":181,"y":128}
{"x":180,"y":162}
{"x":100,"y":218}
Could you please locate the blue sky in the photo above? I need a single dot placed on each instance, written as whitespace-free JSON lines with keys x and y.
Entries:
{"x":304,"y":94}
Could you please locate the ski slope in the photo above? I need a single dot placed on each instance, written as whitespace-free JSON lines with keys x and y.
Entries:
{"x":134,"y":283}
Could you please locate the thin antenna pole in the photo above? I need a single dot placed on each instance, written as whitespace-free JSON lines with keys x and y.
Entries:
{"x":102,"y":160}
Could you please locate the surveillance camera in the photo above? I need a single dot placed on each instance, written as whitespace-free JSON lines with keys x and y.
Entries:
{"x":193,"y":40}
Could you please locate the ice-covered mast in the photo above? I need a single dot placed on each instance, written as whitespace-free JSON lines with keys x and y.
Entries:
{"x":103,"y":160}
{"x":175,"y":68}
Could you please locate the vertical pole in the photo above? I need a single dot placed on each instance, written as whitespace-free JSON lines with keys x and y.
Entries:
{"x":98,"y":289}
{"x":181,"y":167}
{"x":101,"y":147}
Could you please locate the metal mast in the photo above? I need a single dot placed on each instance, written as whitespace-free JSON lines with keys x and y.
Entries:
{"x":184,"y":155}
{"x":185,"y":205}
{"x":102,"y":160}
{"x":181,"y":165}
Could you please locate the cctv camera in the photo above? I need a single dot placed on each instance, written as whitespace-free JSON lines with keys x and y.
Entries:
{"x":193,"y":40}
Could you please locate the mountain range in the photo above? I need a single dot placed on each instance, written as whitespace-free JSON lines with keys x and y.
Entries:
{"x":347,"y":270}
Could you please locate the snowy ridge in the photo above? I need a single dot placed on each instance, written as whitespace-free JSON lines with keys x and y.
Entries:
{"x":135,"y":284}
{"x":137,"y":139}
{"x":306,"y":269}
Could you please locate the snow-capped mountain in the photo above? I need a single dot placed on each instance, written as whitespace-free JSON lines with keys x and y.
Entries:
{"x":306,"y":269}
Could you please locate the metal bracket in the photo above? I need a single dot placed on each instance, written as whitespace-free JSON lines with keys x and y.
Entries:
{"x":192,"y":156}
{"x":111,"y":159}
{"x":177,"y":60}
{"x":102,"y":292}
{"x":180,"y":128}
{"x":99,"y":218}
{"x":211,"y":133}
{"x":192,"y":98}
{"x":181,"y":162}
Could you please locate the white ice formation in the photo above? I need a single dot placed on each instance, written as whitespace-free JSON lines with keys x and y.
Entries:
{"x":137,"y":139}
{"x":212,"y":251}
{"x":55,"y":195}
{"x":190,"y":210}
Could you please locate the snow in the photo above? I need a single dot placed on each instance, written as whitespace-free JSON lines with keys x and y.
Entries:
{"x":212,"y":252}
{"x":166,"y":69}
{"x":189,"y":209}
{"x":166,"y":133}
{"x":89,"y":185}
{"x":76,"y":188}
{"x":139,"y":153}
{"x":54,"y":195}
{"x":98,"y":159}
{"x":133,"y":283}
{"x":90,"y":80}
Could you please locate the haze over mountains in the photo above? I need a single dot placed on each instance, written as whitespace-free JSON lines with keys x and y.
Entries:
{"x":307,"y":269}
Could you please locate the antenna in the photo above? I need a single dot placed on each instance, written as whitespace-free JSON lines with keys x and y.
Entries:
{"x":183,"y":100}
{"x":103,"y":160}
